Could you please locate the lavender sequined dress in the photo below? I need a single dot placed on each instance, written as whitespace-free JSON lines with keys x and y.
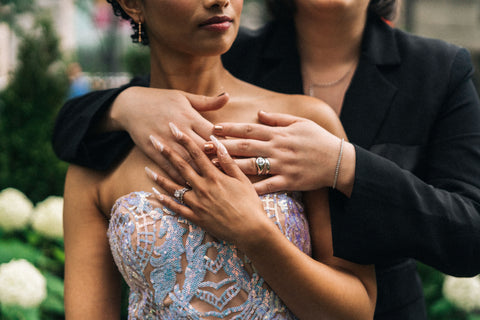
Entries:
{"x":177,"y":271}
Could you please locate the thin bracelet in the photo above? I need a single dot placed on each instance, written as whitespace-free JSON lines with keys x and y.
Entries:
{"x":337,"y":168}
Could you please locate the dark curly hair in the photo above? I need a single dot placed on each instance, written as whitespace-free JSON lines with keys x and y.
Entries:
{"x":284,"y":9}
{"x":118,"y":11}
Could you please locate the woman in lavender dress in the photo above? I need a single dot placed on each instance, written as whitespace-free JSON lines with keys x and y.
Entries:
{"x":115,"y":227}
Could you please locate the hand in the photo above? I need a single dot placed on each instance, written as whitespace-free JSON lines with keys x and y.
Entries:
{"x":303,"y":155}
{"x":146,"y":111}
{"x":225,"y":204}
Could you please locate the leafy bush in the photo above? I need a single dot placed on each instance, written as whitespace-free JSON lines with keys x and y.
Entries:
{"x":36,"y":254}
{"x":28,"y":107}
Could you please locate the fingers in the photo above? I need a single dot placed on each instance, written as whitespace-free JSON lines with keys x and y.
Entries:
{"x":249,"y":167}
{"x":183,"y":168}
{"x":276,"y":119}
{"x":272,"y":184}
{"x":160,"y":160}
{"x":244,"y":130}
{"x":226,"y":162}
{"x":196,"y":154}
{"x":170,"y":187}
{"x":176,"y":207}
{"x":248,"y":148}
{"x":204,"y":103}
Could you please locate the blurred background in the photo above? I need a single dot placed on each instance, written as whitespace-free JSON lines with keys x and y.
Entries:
{"x":52,"y":50}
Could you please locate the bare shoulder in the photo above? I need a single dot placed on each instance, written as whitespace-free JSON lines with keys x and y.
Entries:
{"x":310,"y":108}
{"x":81,"y":186}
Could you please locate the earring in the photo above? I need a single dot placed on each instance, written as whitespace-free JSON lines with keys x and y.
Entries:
{"x":139,"y":32}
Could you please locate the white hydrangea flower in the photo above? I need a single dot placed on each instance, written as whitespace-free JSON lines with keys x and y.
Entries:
{"x":15,"y":209}
{"x":21,"y":284}
{"x":463,"y":292}
{"x":47,"y":217}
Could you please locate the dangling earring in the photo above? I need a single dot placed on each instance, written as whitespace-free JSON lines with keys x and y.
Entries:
{"x":139,"y":32}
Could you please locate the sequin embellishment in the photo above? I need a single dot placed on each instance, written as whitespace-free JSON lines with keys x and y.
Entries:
{"x":177,"y":271}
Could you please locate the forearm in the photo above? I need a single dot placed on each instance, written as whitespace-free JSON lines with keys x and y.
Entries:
{"x":311,"y":289}
{"x":437,"y":223}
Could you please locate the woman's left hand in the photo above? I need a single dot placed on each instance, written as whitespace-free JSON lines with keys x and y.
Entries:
{"x":225,"y":203}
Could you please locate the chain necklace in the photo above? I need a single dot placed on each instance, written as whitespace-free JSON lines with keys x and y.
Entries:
{"x":312,"y":86}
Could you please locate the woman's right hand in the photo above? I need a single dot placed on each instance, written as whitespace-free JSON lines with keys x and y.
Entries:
{"x":147,"y":111}
{"x":224,"y":203}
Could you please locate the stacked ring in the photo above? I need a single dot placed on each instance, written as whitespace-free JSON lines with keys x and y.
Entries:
{"x":178,"y":194}
{"x":262,"y":165}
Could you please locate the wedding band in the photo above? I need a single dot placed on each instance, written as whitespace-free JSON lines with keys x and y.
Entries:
{"x":178,"y":194}
{"x":262,"y":165}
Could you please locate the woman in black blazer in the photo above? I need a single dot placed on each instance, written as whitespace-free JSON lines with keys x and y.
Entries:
{"x":412,"y":116}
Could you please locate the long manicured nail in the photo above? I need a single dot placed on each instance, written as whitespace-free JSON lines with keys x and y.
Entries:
{"x":220,"y":147}
{"x":176,"y":132}
{"x":151,"y":174}
{"x":217,"y":128}
{"x":208,"y":147}
{"x":158,"y":194}
{"x":157,"y":144}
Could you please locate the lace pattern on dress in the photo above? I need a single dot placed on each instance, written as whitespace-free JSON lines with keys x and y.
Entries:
{"x":175,"y":270}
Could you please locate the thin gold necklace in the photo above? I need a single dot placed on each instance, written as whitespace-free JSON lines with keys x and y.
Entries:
{"x":314,"y":85}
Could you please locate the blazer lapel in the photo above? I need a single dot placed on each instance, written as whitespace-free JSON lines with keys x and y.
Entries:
{"x":370,"y":94}
{"x":366,"y":103}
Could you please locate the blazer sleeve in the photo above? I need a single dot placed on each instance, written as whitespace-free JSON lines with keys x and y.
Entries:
{"x":72,"y":138}
{"x":436,"y":218}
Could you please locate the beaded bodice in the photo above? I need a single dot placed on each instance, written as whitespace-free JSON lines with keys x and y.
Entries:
{"x":175,"y":270}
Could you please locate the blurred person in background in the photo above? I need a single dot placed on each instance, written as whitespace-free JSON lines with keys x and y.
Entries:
{"x":409,"y":183}
{"x":79,"y":83}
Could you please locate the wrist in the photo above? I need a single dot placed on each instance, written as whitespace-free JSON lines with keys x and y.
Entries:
{"x":254,"y":242}
{"x":115,"y":117}
{"x":346,"y":169}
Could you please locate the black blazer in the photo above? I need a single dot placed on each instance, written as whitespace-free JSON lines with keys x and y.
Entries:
{"x":414,"y":116}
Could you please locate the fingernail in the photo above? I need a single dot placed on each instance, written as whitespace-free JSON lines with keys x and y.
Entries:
{"x":151,"y":174}
{"x":220,"y":147}
{"x":208,"y":147}
{"x":221,"y":94}
{"x":217,"y":128}
{"x":262,"y":112}
{"x":176,"y":132}
{"x":158,"y":194}
{"x":215,"y":162}
{"x":157,"y":144}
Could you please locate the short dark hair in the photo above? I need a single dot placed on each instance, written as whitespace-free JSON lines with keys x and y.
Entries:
{"x":118,"y":11}
{"x":285,"y":9}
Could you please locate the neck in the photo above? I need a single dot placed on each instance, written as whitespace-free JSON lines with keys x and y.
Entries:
{"x":334,"y":41}
{"x":199,"y":75}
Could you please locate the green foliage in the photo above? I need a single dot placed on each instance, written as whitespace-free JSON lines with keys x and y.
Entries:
{"x":28,"y":107}
{"x":137,"y":60}
{"x":438,"y":308}
{"x":10,"y":9}
{"x":43,"y":253}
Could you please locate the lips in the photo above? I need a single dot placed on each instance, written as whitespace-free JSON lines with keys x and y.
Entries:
{"x":217,"y":20}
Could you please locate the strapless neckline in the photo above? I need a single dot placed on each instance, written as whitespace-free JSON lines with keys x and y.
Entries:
{"x":175,"y":270}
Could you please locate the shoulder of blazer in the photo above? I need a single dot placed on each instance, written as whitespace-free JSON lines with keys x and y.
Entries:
{"x":384,"y":45}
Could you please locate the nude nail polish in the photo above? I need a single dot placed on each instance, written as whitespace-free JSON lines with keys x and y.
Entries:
{"x":157,"y":144}
{"x":176,"y":132}
{"x":158,"y":194}
{"x":208,"y":147}
{"x":220,"y":147}
{"x":217,"y":128}
{"x":151,"y":174}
